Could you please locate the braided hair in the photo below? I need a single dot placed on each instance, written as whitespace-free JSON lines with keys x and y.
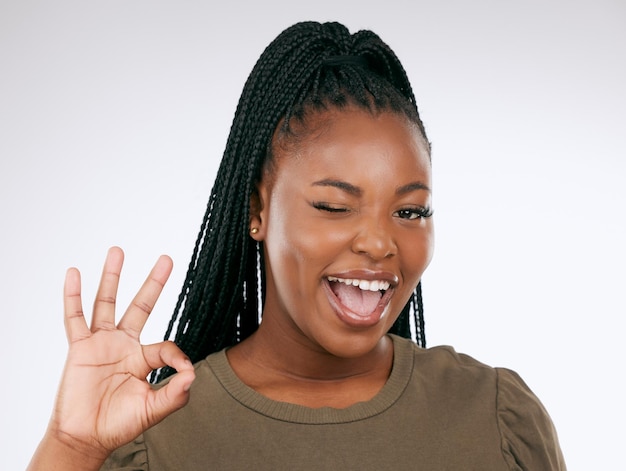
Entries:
{"x":307,"y":68}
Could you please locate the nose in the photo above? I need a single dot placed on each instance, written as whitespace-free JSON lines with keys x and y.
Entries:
{"x":375,"y":240}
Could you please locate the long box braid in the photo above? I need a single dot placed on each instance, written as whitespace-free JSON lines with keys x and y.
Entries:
{"x":309,"y":66}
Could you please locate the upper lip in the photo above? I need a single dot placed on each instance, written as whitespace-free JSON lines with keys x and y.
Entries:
{"x":369,"y":275}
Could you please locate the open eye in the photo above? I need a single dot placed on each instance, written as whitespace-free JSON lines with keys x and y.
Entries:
{"x":414,"y":213}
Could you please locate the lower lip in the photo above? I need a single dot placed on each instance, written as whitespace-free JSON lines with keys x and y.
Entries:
{"x":354,"y":320}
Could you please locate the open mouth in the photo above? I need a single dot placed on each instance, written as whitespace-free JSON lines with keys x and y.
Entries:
{"x":361,"y":297}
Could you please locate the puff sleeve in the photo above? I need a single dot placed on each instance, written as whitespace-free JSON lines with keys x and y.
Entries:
{"x":130,"y":457}
{"x":529,"y":439}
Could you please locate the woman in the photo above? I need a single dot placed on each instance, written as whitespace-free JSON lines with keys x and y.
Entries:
{"x":320,"y":221}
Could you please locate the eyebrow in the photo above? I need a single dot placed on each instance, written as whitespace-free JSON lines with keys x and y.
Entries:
{"x":345,"y":186}
{"x":412,"y":187}
{"x":356,"y":191}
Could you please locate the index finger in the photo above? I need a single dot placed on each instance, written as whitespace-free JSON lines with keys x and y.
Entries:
{"x":142,"y":304}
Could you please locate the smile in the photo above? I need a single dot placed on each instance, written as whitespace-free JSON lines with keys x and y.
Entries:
{"x":365,"y":285}
{"x":359,"y":302}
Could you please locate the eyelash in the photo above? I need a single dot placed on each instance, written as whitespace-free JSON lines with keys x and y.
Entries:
{"x":329,"y":209}
{"x":411,"y":213}
{"x":415,"y":213}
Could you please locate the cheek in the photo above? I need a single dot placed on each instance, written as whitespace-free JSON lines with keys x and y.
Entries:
{"x":293,"y":243}
{"x":295,"y":232}
{"x":417,"y":249}
{"x":429,"y":242}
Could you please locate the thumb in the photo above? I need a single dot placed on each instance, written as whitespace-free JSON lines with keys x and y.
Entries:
{"x":171,"y":397}
{"x":175,"y":394}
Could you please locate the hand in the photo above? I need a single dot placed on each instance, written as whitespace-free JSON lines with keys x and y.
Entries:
{"x":104,"y":400}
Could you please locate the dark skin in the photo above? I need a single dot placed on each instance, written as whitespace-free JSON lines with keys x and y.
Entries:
{"x":329,"y":383}
{"x":349,"y":201}
{"x":104,"y":400}
{"x":322,"y":212}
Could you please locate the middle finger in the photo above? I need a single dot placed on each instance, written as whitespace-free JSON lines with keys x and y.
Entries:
{"x":104,"y":305}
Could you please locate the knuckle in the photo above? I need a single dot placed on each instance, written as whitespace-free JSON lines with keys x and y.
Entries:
{"x":106,"y":300}
{"x":75,"y":313}
{"x":143,"y":306}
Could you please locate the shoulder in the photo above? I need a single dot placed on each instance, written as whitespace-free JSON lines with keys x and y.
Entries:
{"x":452,"y":385}
{"x":445,"y":364}
{"x":480,"y":400}
{"x":443,"y":367}
{"x":441,"y":355}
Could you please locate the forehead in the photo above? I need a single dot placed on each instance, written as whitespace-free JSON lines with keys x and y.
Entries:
{"x":352,"y":142}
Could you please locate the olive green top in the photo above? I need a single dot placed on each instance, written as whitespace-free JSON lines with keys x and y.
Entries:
{"x":439,"y":410}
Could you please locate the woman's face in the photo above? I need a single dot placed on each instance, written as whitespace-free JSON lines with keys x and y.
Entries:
{"x":344,"y":217}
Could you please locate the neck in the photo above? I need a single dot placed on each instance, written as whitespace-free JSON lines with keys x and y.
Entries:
{"x":296,"y":370}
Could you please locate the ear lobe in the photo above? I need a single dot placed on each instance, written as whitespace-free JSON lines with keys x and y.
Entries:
{"x":257,"y":217}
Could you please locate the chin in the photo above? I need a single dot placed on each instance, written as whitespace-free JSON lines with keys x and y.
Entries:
{"x":352,"y":345}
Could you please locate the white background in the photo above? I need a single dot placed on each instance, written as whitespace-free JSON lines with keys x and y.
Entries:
{"x":113,"y":117}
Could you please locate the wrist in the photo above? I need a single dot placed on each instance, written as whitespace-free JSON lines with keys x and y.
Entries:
{"x":59,"y":451}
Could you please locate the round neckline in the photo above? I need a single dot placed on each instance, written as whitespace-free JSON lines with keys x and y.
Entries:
{"x":284,"y":411}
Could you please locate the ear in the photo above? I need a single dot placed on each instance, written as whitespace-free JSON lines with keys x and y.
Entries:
{"x":258,"y":212}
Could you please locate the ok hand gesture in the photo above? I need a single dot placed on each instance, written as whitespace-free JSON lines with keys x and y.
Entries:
{"x":104,"y":400}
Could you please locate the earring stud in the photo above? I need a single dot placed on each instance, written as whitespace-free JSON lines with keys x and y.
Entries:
{"x":254,"y":230}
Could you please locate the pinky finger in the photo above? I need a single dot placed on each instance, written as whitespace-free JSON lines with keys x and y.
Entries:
{"x":75,"y":324}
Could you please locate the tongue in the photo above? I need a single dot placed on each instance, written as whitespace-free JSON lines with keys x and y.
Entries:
{"x":361,"y":302}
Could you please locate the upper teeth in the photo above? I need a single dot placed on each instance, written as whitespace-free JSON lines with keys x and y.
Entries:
{"x":374,"y":285}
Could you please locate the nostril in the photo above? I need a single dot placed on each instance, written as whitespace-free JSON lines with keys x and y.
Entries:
{"x":376,"y":244}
